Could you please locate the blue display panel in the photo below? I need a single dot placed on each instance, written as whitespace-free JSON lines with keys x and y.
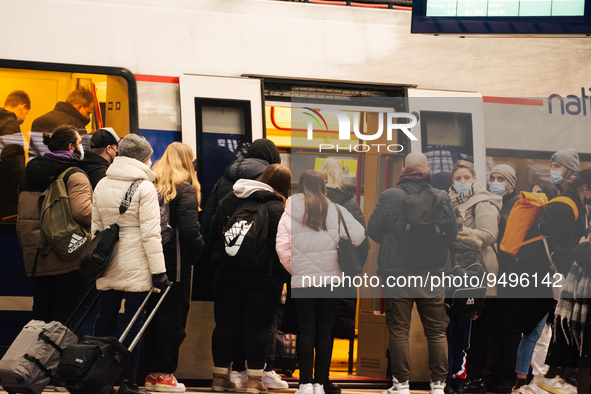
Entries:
{"x":564,"y":17}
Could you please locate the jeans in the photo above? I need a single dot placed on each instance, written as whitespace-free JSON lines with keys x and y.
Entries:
{"x":107,"y":323}
{"x":315,"y":318}
{"x":55,"y":297}
{"x":527,"y":346}
{"x":435,"y":322}
{"x":244,"y":308}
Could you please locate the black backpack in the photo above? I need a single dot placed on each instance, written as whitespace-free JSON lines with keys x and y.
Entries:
{"x":245,"y":237}
{"x":428,"y":229}
{"x":166,"y":231}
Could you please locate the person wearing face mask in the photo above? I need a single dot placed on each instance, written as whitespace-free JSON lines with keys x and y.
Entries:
{"x":482,"y":212}
{"x":75,"y":111}
{"x":58,"y":286}
{"x":504,"y":338}
{"x":562,"y":166}
{"x":103,"y":150}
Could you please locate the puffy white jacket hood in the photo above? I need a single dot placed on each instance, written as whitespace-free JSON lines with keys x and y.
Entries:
{"x":243,"y":188}
{"x":138,"y":254}
{"x":307,"y":254}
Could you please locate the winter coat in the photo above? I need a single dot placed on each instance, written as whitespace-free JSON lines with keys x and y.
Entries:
{"x":246,"y":189}
{"x":38,"y":174}
{"x":239,"y":169}
{"x":309,"y":253}
{"x":482,"y":216}
{"x":506,"y":261}
{"x":138,"y":253}
{"x":387,"y":227}
{"x":63,"y":113}
{"x":184,"y":216}
{"x":345,"y":199}
{"x":8,"y":123}
{"x":95,"y":167}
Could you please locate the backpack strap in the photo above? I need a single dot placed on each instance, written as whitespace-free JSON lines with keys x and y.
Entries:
{"x":344,"y":224}
{"x":568,"y":201}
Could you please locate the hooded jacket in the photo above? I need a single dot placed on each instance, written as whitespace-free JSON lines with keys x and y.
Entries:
{"x":8,"y":123}
{"x":482,"y":216}
{"x":38,"y":175}
{"x":138,"y":253}
{"x":247,"y":189}
{"x":63,"y":113}
{"x":308,"y":253}
{"x":95,"y":167}
{"x":387,"y":227}
{"x":249,"y":168}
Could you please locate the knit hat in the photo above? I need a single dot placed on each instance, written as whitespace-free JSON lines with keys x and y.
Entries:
{"x":103,"y":138}
{"x":568,"y":158}
{"x":136,"y":147}
{"x":507,"y":171}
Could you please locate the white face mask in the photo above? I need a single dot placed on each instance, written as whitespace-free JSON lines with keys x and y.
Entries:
{"x":149,"y":163}
{"x":81,"y":148}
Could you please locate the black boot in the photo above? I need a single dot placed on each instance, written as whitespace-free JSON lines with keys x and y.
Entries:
{"x":476,"y":386}
{"x":457,"y":385}
{"x":448,"y":388}
{"x":128,"y":384}
{"x":331,"y":388}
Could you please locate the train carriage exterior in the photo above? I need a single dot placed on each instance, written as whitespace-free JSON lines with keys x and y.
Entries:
{"x":197,"y":70}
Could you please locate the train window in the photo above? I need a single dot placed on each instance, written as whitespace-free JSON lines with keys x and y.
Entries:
{"x":37,"y":97}
{"x":446,"y":137}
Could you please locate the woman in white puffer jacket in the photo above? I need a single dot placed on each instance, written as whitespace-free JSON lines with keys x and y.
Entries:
{"x":137,"y":261}
{"x":307,"y":239}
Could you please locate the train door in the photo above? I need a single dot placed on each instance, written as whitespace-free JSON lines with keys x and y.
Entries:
{"x":220,"y":117}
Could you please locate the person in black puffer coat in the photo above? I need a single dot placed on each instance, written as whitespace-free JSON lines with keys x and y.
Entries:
{"x":177,"y":186}
{"x":261,"y":154}
{"x":103,"y":149}
{"x":344,"y":324}
{"x":74,"y":111}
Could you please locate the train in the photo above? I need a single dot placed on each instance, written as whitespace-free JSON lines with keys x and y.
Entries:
{"x":219,"y":74}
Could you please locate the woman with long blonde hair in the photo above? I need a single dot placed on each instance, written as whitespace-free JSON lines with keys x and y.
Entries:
{"x":179,"y":195}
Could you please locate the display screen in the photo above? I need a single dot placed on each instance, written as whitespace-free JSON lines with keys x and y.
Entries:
{"x":505,"y":8}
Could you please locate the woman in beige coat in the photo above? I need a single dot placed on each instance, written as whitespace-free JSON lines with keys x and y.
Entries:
{"x":481,"y":211}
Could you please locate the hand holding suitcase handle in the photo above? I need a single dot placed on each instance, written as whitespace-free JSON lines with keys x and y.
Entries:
{"x":160,"y":281}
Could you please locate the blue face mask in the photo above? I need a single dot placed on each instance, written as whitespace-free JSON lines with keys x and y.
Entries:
{"x":462,"y":187}
{"x":556,"y":177}
{"x":498,"y":188}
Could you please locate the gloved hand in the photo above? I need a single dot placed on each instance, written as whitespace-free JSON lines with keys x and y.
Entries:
{"x":160,"y":281}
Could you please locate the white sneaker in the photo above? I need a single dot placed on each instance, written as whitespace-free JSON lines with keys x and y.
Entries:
{"x":273,"y":381}
{"x":525,"y":389}
{"x":318,"y":388}
{"x":398,"y":388}
{"x":557,"y":385}
{"x":239,"y":379}
{"x":437,"y":388}
{"x":307,"y":388}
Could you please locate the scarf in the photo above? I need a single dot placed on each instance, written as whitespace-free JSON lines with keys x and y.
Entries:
{"x":411,"y":174}
{"x":64,"y":154}
{"x":460,"y":198}
{"x":572,"y":309}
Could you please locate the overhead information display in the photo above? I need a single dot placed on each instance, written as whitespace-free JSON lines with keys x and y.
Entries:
{"x":504,"y":8}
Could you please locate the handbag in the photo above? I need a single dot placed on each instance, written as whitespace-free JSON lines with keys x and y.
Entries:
{"x":349,"y":260}
{"x":97,"y":256}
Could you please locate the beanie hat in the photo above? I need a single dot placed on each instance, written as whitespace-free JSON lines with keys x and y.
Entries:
{"x":103,"y":138}
{"x":507,"y":171}
{"x":568,"y":158}
{"x":135,"y":147}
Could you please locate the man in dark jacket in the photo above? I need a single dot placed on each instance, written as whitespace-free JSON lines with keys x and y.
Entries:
{"x":16,"y":109}
{"x":103,"y":149}
{"x":75,"y":111}
{"x":387,"y":226}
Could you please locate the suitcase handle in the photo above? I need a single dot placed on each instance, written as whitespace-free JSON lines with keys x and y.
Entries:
{"x":140,"y":310}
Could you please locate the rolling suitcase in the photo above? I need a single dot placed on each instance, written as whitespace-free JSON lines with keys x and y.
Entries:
{"x":30,"y":362}
{"x":93,"y":365}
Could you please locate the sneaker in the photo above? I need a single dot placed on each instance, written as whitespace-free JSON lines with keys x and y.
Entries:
{"x":272,"y":380}
{"x":437,"y":388}
{"x":525,"y":389}
{"x":168,"y":384}
{"x":318,"y":388}
{"x":398,"y":388}
{"x":239,"y":379}
{"x":556,"y":385}
{"x":475,"y":386}
{"x":307,"y":388}
{"x":151,"y":380}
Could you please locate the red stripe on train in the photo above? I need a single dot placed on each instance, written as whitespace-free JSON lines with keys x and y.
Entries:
{"x":155,"y":78}
{"x":513,"y":101}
